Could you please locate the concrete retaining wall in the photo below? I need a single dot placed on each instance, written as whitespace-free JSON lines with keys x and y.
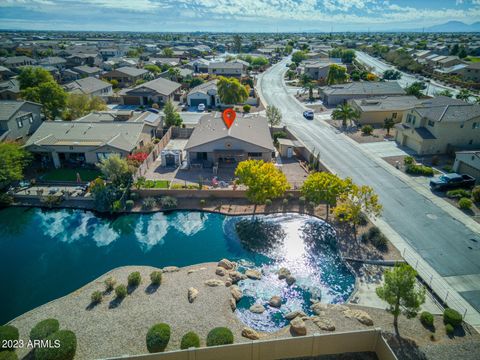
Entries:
{"x":200,"y":194}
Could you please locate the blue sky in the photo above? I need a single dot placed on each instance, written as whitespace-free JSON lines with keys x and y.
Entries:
{"x":233,"y":15}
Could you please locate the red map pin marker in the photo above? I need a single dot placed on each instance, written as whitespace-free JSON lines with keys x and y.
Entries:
{"x":229,"y":116}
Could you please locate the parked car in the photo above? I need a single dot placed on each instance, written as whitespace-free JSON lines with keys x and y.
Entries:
{"x":308,"y":114}
{"x":452,"y":181}
{"x":201,"y":107}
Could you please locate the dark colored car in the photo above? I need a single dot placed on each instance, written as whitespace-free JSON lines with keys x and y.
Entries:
{"x":452,"y":181}
{"x":308,"y":114}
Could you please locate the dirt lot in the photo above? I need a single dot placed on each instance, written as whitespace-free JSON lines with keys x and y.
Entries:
{"x":354,"y":132}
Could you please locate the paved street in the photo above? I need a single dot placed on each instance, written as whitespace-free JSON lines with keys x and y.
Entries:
{"x":406,"y":79}
{"x":447,"y":245}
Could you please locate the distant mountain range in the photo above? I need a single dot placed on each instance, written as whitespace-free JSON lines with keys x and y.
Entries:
{"x":453,"y":26}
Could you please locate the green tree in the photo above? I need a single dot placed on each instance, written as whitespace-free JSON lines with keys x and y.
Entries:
{"x":454,"y":49}
{"x":195,"y":82}
{"x":337,"y":74}
{"x":231,"y":91}
{"x":13,"y":160}
{"x":237,"y":44}
{"x":172,"y":117}
{"x":259,"y":62}
{"x":464,"y":95}
{"x":116,"y":170}
{"x":388,"y":124}
{"x":400,"y":291}
{"x":31,"y":77}
{"x":462,"y":53}
{"x":153,"y":69}
{"x":274,"y":115}
{"x":167,"y":52}
{"x":357,"y":201}
{"x":263,"y":180}
{"x":392,"y":74}
{"x":415,"y":89}
{"x":445,"y":92}
{"x":323,"y":187}
{"x":79,"y":105}
{"x":307,"y":85}
{"x":298,"y":57}
{"x":345,"y":113}
{"x":348,"y":56}
{"x":174,"y":73}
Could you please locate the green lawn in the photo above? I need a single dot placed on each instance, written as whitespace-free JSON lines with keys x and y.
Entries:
{"x":473,"y":59}
{"x":157,"y":184}
{"x":71,"y":175}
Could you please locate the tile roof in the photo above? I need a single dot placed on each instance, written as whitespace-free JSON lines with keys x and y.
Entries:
{"x":445,"y":109}
{"x":160,"y":85}
{"x":365,"y":88}
{"x":87,"y":85}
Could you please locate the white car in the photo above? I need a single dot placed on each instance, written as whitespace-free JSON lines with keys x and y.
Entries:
{"x":201,"y":107}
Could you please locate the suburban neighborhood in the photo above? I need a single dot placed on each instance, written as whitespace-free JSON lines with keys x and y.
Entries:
{"x":255,"y":194}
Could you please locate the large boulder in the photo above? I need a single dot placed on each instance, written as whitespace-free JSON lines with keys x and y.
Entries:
{"x":250,"y":333}
{"x":220,"y":271}
{"x":214,"y":282}
{"x":283,"y":273}
{"x":233,"y":304}
{"x":253,"y":274}
{"x":290,"y":280}
{"x":275,"y":301}
{"x":192,"y":294}
{"x":323,"y":323}
{"x":226,"y":264}
{"x":297,"y":327}
{"x":360,"y":315}
{"x":292,"y":315}
{"x":318,"y":308}
{"x":257,"y":308}
{"x":236,"y":292}
{"x":236,"y":276}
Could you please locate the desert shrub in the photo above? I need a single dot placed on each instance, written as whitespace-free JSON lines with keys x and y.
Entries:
{"x":458,"y":193}
{"x":168,"y":202}
{"x":285,"y":202}
{"x":367,"y":129}
{"x":362,"y":220}
{"x":96,"y":297}
{"x":6,"y":199}
{"x":148,"y":203}
{"x":246,"y":108}
{"x":290,"y":196}
{"x":376,"y":238}
{"x":452,"y":317}
{"x":44,"y":329}
{"x":465,"y":203}
{"x":203,"y":202}
{"x":7,"y":332}
{"x":189,"y":340}
{"x":8,"y":355}
{"x":419,"y":170}
{"x":134,"y":279}
{"x":121,"y":291}
{"x":176,"y":186}
{"x":117,"y":206}
{"x":268,"y":202}
{"x":134,"y":196}
{"x":301,"y":199}
{"x":279,"y":135}
{"x":476,"y":194}
{"x":156,"y":277}
{"x":129,"y":204}
{"x":408,"y":160}
{"x":449,"y":329}
{"x":158,"y":337}
{"x":109,"y":283}
{"x":66,"y":351}
{"x":219,"y":336}
{"x":312,"y":205}
{"x":426,"y":319}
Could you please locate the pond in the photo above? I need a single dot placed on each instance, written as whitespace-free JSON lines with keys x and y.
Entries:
{"x":48,"y":254}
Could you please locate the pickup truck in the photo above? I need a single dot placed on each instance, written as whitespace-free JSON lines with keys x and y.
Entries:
{"x":452,"y":181}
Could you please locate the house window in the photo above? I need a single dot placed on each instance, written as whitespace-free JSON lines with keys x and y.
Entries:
{"x":431,"y":123}
{"x":254,"y":154}
{"x":475,"y":125}
{"x":394,"y":115}
{"x":20,"y":122}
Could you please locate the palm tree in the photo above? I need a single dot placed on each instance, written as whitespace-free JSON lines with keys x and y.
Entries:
{"x":307,"y":85}
{"x":174,"y":73}
{"x":464,"y":95}
{"x":345,"y":112}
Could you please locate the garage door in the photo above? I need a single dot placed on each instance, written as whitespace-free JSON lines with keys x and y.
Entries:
{"x":196,"y":102}
{"x":464,"y":168}
{"x":413,"y":144}
{"x":131,"y":100}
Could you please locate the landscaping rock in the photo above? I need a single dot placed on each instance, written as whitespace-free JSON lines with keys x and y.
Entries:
{"x":250,"y":333}
{"x":318,"y":308}
{"x":340,"y":307}
{"x":360,"y":315}
{"x":170,"y":269}
{"x":257,"y":308}
{"x":236,"y":292}
{"x":214,"y":282}
{"x":292,"y":315}
{"x":323,"y":323}
{"x":228,"y":283}
{"x":283,"y":273}
{"x":220,"y":271}
{"x":191,"y":271}
{"x":226,"y":264}
{"x":297,"y":326}
{"x":275,"y":301}
{"x":236,"y":276}
{"x":290,"y":280}
{"x":253,"y":274}
{"x":192,"y":294}
{"x":233,"y":304}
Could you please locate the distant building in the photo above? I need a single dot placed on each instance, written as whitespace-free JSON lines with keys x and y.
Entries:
{"x":338,"y":94}
{"x":85,"y":70}
{"x":126,"y":76}
{"x":156,"y":91}
{"x":229,"y":69}
{"x":18,"y":61}
{"x":19,"y":119}
{"x":468,"y":162}
{"x":9,"y":90}
{"x":318,"y":70}
{"x":90,"y":86}
{"x":375,"y":110}
{"x":204,"y":94}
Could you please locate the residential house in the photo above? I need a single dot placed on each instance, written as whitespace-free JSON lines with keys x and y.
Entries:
{"x":213,"y":144}
{"x":14,"y":62}
{"x":156,"y":91}
{"x":10,"y":90}
{"x":55,"y":61}
{"x":84,"y":59}
{"x":338,"y":94}
{"x":448,"y":61}
{"x":205,"y":93}
{"x":85,"y":70}
{"x":126,"y":76}
{"x":440,"y":125}
{"x":375,"y":110}
{"x":229,"y":69}
{"x":63,"y":143}
{"x":199,"y":65}
{"x":318,"y":70}
{"x":90,"y":86}
{"x":5,"y":73}
{"x":471,"y":72}
{"x":19,"y":119}
{"x":468,"y":162}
